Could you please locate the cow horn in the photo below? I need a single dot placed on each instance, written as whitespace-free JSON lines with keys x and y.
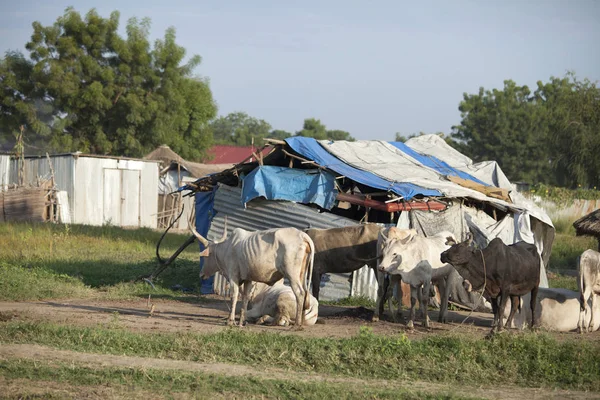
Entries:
{"x":224,"y":230}
{"x":383,"y":234}
{"x":191,"y":226}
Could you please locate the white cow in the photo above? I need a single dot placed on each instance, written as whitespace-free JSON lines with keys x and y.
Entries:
{"x":417,"y":260}
{"x":262,"y":256}
{"x":589,"y":286}
{"x":557,"y":309}
{"x":383,"y":292}
{"x":276,"y":305}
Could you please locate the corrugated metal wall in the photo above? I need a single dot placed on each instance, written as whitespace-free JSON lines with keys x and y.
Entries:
{"x":261,"y":214}
{"x":38,"y":168}
{"x":4,"y":172}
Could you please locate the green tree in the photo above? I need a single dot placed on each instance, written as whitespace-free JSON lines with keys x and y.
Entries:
{"x":314,"y":128}
{"x":572,"y":109}
{"x":115,"y":95}
{"x":279,"y":134}
{"x":508,"y":126}
{"x":240,"y":129}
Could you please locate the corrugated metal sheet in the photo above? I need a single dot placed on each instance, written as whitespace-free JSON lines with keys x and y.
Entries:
{"x":37,"y":168}
{"x":263,"y":214}
{"x":364,"y":283}
{"x":4,"y":172}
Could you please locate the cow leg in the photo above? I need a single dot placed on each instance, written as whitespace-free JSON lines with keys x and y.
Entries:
{"x":413,"y":302}
{"x":533,"y":305}
{"x":397,"y":283}
{"x":444,"y":287}
{"x":246,"y":293}
{"x":494,"y":302}
{"x":514,"y":304}
{"x":583,"y":297}
{"x":381,"y":292}
{"x":316,"y":283}
{"x":299,"y":293}
{"x":235,"y":292}
{"x":424,"y":303}
{"x":501,"y":307}
{"x":591,"y":324}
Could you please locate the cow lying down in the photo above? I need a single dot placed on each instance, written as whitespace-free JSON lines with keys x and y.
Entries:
{"x":276,"y":305}
{"x":557,"y":310}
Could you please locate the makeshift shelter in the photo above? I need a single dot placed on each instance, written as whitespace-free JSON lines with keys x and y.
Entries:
{"x":589,"y":225}
{"x":423,"y":184}
{"x":96,"y":190}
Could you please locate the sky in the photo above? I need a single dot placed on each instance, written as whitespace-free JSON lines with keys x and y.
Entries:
{"x":372,"y":68}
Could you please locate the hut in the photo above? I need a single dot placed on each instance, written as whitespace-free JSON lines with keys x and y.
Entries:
{"x":96,"y":190}
{"x":589,"y":225}
{"x":422,"y":184}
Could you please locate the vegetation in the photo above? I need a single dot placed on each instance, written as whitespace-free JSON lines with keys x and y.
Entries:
{"x":550,"y":135}
{"x":85,"y":87}
{"x":523,"y":359}
{"x":355,"y":301}
{"x":169,"y":383}
{"x":567,"y":248}
{"x":67,"y":259}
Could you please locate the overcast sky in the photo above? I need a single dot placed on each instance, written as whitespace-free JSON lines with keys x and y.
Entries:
{"x":370,"y":68}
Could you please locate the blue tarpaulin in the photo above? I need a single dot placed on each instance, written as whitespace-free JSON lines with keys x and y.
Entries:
{"x":205,"y":212}
{"x":300,"y":185}
{"x":435,"y":163}
{"x":312,"y":150}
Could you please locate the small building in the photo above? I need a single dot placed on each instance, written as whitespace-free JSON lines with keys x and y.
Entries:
{"x":231,"y":154}
{"x":589,"y":225}
{"x":99,"y":189}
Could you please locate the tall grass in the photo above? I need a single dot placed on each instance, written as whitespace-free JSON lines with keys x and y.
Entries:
{"x":523,"y":359}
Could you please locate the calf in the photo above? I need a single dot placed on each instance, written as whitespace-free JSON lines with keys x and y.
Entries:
{"x":276,"y":305}
{"x":417,"y":260}
{"x":502,"y":271}
{"x":262,"y":256}
{"x":588,"y":271}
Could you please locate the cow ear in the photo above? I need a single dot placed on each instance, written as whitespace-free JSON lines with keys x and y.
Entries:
{"x":205,"y":252}
{"x":450,"y":241}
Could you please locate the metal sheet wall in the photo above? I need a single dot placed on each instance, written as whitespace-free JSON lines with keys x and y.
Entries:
{"x":262,"y":214}
{"x":4,"y":172}
{"x":38,"y":168}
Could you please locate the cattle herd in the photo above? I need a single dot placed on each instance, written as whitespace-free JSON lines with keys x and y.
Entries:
{"x":258,"y":262}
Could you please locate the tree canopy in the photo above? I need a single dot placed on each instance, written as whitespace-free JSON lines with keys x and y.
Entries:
{"x":240,"y":129}
{"x":548,"y":136}
{"x":314,"y":128}
{"x":87,"y":88}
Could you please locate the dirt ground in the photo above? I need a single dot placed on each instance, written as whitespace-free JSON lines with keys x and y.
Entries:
{"x":210,"y":316}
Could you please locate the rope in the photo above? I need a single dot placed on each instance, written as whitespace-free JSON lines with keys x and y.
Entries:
{"x":480,"y":294}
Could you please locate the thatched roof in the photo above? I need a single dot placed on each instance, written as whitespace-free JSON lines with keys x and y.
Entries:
{"x":168,"y":157}
{"x":588,"y":225}
{"x":165,"y":155}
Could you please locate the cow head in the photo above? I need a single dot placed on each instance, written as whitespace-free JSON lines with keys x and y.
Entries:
{"x":459,"y":253}
{"x":393,"y":248}
{"x":210,"y":266}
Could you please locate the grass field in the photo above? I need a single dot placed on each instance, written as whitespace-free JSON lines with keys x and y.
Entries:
{"x":54,"y":261}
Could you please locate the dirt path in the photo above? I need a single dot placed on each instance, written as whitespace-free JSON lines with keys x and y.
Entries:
{"x":45,"y":354}
{"x":210,"y":314}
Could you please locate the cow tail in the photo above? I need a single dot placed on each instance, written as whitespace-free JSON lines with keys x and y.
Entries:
{"x":308,"y":279}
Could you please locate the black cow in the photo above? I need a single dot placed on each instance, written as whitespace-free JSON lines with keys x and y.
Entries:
{"x":506,"y":271}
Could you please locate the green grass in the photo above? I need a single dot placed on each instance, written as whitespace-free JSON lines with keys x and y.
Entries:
{"x":567,"y":248}
{"x":523,"y":359}
{"x":356,"y":301}
{"x":169,"y":382}
{"x":105,"y":258}
{"x":563,"y":281}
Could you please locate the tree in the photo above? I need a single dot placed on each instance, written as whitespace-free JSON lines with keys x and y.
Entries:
{"x":114,"y":95}
{"x":240,"y":129}
{"x":508,"y":126}
{"x":572,"y":109}
{"x":314,"y":128}
{"x":279,"y":134}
